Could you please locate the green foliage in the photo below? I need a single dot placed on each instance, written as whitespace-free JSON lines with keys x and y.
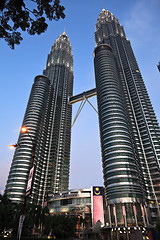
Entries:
{"x":15,"y":16}
{"x":63,"y":226}
{"x":158,"y":224}
{"x":36,"y":217}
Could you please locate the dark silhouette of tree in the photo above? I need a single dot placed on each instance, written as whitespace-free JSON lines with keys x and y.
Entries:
{"x":16,"y":16}
{"x":158,"y":225}
{"x":36,"y":217}
{"x":9,"y":214}
{"x":64,"y":227}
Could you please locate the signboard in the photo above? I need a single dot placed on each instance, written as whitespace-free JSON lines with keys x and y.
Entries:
{"x":30,"y":181}
{"x":123,"y":210}
{"x":45,"y":200}
{"x":66,"y":195}
{"x":97,"y":205}
{"x":21,"y":220}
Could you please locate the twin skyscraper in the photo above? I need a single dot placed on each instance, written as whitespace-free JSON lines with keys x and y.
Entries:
{"x":129,"y":131}
{"x":48,"y":120}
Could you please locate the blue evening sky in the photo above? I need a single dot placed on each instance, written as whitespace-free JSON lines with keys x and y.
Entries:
{"x":141,"y":21}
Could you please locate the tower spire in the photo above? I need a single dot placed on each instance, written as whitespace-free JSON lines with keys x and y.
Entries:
{"x":102,"y":5}
{"x":64,"y":32}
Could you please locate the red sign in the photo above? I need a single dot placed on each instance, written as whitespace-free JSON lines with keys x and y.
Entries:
{"x":30,"y":181}
{"x":134,"y":209}
{"x":142,"y":210}
{"x":114,"y":211}
{"x":97,"y":205}
{"x":124,"y":210}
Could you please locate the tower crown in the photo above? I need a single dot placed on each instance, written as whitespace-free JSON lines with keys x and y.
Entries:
{"x":63,"y":37}
{"x":61,"y":53}
{"x":107,"y":24}
{"x":63,"y":42}
{"x":106,"y":15}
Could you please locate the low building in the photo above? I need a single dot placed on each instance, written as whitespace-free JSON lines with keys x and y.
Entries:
{"x":87,"y":204}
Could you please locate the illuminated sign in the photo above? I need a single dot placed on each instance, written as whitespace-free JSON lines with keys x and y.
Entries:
{"x":97,"y":205}
{"x":30,"y":181}
{"x":97,"y":191}
{"x":65,"y":195}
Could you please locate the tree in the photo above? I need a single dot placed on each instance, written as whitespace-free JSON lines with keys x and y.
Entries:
{"x":15,"y":17}
{"x":9,"y":214}
{"x":64,"y":227}
{"x":158,"y":225}
{"x":36,"y":218}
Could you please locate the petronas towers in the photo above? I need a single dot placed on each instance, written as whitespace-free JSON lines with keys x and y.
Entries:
{"x":129,"y":132}
{"x":48,"y":120}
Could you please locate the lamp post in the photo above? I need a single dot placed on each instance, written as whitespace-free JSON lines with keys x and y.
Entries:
{"x":29,"y":183}
{"x":25,"y":130}
{"x":30,"y":178}
{"x":13,"y":146}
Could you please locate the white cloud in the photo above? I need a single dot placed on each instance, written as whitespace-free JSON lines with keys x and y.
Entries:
{"x":142,"y":23}
{"x":142,"y":28}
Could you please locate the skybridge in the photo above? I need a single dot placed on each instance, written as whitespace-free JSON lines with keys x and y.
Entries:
{"x":83,"y":98}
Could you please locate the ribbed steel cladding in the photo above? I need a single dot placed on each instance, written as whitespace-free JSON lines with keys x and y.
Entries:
{"x":148,"y":125}
{"x":59,"y":70}
{"x":18,"y":175}
{"x":117,"y":151}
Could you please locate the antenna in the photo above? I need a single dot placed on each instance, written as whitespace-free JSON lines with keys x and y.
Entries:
{"x":102,"y":4}
{"x":64,"y":32}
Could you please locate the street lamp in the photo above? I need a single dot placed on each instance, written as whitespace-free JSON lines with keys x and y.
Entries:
{"x":25,"y":130}
{"x":30,"y":179}
{"x":13,"y":146}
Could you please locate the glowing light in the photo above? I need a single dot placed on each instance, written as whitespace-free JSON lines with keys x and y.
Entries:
{"x":12,"y":146}
{"x":24,"y":129}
